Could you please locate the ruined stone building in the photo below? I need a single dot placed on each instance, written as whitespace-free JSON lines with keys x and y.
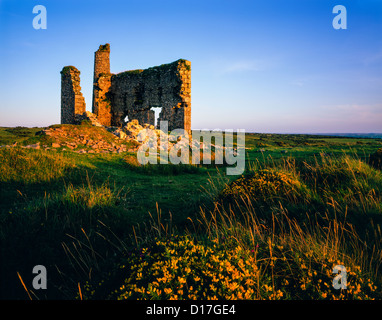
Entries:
{"x":131,"y":94}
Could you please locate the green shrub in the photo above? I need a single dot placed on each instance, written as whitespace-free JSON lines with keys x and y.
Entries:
{"x":266,"y":185}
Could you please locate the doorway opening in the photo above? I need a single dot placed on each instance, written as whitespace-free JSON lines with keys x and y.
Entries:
{"x":157,"y":112}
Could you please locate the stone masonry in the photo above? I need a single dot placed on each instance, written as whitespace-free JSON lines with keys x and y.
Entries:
{"x":135,"y":94}
{"x":101,"y":85}
{"x":72,"y":100}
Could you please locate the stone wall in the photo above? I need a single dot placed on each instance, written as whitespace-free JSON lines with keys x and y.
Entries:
{"x":101,"y":102}
{"x":101,"y":61}
{"x":135,"y":93}
{"x":101,"y":85}
{"x":72,"y":100}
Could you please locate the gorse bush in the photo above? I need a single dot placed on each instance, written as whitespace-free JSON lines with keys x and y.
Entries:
{"x":266,"y":185}
{"x":182,"y":268}
{"x":261,"y":248}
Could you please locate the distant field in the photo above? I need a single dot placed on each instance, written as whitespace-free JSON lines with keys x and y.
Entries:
{"x":89,"y":218}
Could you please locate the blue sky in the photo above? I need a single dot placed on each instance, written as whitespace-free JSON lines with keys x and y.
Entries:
{"x":262,"y":66}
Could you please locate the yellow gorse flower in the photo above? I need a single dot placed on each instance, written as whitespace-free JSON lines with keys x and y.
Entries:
{"x":185,"y":269}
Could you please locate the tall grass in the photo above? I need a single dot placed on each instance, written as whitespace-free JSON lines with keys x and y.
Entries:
{"x":29,"y":166}
{"x":339,"y":194}
{"x":261,"y":243}
{"x":276,"y":232}
{"x":66,"y":232}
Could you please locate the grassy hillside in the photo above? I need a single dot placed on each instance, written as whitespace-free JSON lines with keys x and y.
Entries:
{"x":107,"y":228}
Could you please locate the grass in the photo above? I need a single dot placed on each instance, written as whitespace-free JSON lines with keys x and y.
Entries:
{"x":20,"y":165}
{"x":106,"y":227}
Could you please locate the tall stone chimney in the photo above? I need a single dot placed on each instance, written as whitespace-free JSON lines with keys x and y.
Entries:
{"x":102,"y":80}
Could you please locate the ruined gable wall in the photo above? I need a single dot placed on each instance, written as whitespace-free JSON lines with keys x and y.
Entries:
{"x":72,"y":100}
{"x":134,"y":93}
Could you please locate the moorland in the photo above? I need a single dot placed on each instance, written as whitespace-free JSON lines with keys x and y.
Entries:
{"x":106,"y":227}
